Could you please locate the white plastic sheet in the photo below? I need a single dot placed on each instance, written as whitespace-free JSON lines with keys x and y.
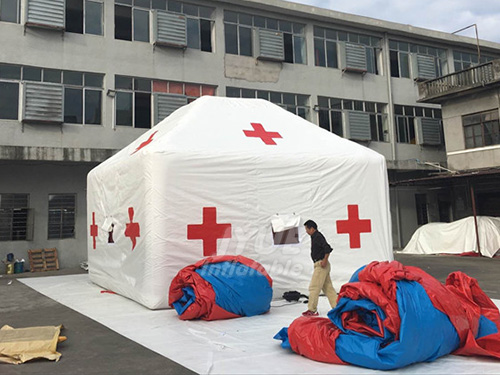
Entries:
{"x":235,"y":346}
{"x":208,"y":179}
{"x":457,"y":237}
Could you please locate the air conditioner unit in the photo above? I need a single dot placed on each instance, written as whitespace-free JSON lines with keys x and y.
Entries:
{"x":428,"y":131}
{"x":47,"y":14}
{"x":166,"y":104}
{"x":423,"y":67}
{"x":352,"y":57}
{"x":357,"y":126}
{"x":42,"y":103}
{"x":269,"y":45}
{"x":169,"y":29}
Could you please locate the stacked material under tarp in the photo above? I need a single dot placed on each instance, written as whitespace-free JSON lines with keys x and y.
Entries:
{"x":390,"y":316}
{"x":457,"y":237}
{"x":221,"y":287}
{"x":209,"y":180}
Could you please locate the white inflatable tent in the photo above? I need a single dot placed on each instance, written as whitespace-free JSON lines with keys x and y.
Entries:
{"x":215,"y":178}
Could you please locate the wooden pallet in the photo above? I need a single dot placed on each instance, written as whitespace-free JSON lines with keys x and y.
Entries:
{"x":43,"y":260}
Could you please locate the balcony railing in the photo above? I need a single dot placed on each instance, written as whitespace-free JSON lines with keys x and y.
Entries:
{"x":476,"y":76}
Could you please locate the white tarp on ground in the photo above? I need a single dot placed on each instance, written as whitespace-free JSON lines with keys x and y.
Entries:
{"x":456,"y":237}
{"x":210,"y":178}
{"x":233,"y":346}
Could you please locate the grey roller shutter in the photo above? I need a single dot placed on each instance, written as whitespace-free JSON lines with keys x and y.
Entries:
{"x":353,"y":57}
{"x":169,"y":29}
{"x":269,"y":45}
{"x":166,"y":104}
{"x":429,"y":131}
{"x":357,"y":126}
{"x":43,"y":102}
{"x":45,"y":13}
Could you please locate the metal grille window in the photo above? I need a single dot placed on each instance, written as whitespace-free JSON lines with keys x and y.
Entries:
{"x":10,"y":11}
{"x":295,"y":103}
{"x":464,"y":60}
{"x":238,"y":30}
{"x":326,"y":47}
{"x":331,"y":112}
{"x":62,"y":209}
{"x":84,"y":17}
{"x":15,"y":223}
{"x":481,"y":129}
{"x":405,"y":121}
{"x":400,"y":55}
{"x":421,"y":206}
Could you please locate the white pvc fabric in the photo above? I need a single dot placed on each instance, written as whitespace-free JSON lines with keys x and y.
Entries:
{"x":457,"y":237}
{"x":209,"y":179}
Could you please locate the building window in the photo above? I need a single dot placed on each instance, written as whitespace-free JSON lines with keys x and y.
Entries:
{"x":132,"y":21}
{"x":481,"y":129}
{"x":14,"y":217}
{"x":238,"y":30}
{"x":402,"y":54}
{"x":82,"y":98}
{"x":84,"y":17}
{"x":326,"y":45}
{"x":62,"y":208}
{"x":331,"y":112}
{"x":295,"y":103}
{"x":421,"y":206}
{"x":134,"y":98}
{"x":9,"y":11}
{"x":464,"y":60}
{"x":82,"y":92}
{"x":405,"y":121}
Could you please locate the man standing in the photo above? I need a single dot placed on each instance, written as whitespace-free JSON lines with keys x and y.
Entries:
{"x":320,"y":251}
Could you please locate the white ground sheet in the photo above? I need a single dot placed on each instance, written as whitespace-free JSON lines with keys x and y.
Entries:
{"x":235,"y":346}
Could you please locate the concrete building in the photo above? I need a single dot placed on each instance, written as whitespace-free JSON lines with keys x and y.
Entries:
{"x":470,"y":100}
{"x":80,"y":79}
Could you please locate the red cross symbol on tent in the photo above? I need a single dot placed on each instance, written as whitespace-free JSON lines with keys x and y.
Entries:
{"x":209,"y":231}
{"x":354,"y":226}
{"x":259,"y":132}
{"x":132,"y":230}
{"x":145,"y":143}
{"x":94,"y":230}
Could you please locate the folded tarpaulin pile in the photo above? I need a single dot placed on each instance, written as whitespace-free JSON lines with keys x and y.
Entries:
{"x":389,"y":316}
{"x":221,"y":287}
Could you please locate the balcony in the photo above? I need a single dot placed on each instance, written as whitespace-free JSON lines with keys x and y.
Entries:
{"x":455,"y":84}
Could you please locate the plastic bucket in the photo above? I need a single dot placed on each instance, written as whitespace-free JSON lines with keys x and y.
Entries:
{"x":19,"y":267}
{"x":9,"y":268}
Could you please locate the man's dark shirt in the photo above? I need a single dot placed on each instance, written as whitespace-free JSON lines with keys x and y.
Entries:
{"x":319,"y":246}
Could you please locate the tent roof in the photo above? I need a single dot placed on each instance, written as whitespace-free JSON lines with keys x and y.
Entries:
{"x":241,"y":126}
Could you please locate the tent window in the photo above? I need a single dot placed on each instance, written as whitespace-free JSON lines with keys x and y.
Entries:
{"x":287,"y":237}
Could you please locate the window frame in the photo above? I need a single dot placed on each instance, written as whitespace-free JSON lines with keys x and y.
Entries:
{"x":409,"y":114}
{"x":326,"y":35}
{"x":18,"y":12}
{"x":404,"y":47}
{"x":296,"y":31}
{"x":295,"y":108}
{"x":481,"y":125}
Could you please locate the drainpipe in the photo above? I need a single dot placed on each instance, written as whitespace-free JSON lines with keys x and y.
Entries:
{"x":473,"y":200}
{"x":386,"y":59}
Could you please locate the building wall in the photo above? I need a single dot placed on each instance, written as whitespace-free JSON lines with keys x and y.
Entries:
{"x":460,"y":158}
{"x":39,"y":180}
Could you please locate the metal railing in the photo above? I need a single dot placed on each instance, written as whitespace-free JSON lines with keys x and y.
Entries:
{"x":475,"y":76}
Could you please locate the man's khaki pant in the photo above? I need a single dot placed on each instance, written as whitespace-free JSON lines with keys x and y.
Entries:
{"x":321,"y":282}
